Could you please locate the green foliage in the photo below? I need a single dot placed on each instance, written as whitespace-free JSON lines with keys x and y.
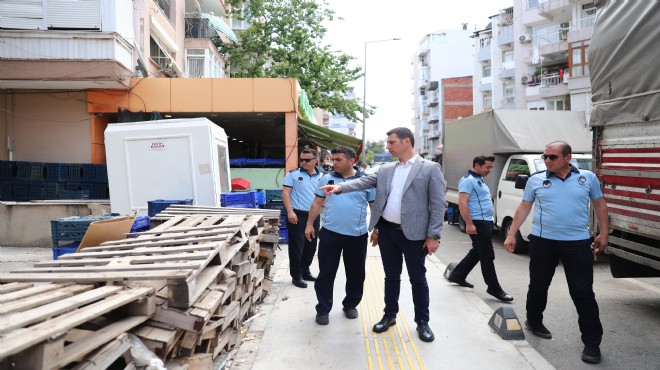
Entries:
{"x":284,"y":40}
{"x":372,"y":148}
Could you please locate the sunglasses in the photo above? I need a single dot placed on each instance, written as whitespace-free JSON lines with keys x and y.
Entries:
{"x":307,"y":160}
{"x":552,"y":157}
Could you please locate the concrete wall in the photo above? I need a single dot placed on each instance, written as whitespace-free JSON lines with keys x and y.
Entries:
{"x":28,"y":224}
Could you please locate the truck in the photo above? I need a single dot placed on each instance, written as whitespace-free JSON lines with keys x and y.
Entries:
{"x":625,"y":119}
{"x":516,"y":138}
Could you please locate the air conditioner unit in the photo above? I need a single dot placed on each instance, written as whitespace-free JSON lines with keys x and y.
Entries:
{"x":524,"y":79}
{"x":525,"y":38}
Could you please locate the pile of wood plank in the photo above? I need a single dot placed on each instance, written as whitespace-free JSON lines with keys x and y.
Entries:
{"x":187,"y":284}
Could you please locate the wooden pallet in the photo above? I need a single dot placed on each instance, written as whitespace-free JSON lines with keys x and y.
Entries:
{"x":51,"y":325}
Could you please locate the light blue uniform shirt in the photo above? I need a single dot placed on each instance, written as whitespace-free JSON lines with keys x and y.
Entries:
{"x":303,"y":185}
{"x":479,"y":203}
{"x":346,"y":213}
{"x":561,"y":208}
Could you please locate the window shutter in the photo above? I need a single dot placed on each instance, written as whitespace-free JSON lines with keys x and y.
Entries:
{"x":74,"y":14}
{"x":22,"y":14}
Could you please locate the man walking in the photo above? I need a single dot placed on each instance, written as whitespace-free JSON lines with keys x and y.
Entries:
{"x":560,"y":232}
{"x":476,"y":208}
{"x":408,"y":213}
{"x":344,"y":232}
{"x":297,"y":195}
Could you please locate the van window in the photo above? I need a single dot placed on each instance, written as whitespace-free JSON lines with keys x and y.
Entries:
{"x":516,"y":167}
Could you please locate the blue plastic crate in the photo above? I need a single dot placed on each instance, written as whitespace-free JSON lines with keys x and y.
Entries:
{"x":20,"y":191}
{"x":74,"y":172}
{"x":34,"y":189}
{"x":237,"y":162}
{"x":274,"y":163}
{"x":273,"y":195}
{"x":49,"y":190}
{"x":72,"y":228}
{"x":6,"y":170}
{"x":254,"y":162}
{"x":159,"y":205}
{"x":101,"y":174}
{"x":284,"y":235}
{"x":5,"y":190}
{"x":242,"y":205}
{"x":141,"y":222}
{"x":240,"y":197}
{"x":275,"y":205}
{"x":23,"y":171}
{"x":56,"y":172}
{"x":101,"y":191}
{"x":73,"y":194}
{"x":261,"y":197}
{"x":65,"y":249}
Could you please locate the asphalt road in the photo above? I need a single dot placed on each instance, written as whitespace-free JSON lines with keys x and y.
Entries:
{"x":629,"y":309}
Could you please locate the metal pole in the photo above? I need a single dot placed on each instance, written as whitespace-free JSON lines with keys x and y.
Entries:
{"x":364,"y":96}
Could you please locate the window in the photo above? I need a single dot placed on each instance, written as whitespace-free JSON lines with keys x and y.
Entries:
{"x":507,"y":56}
{"x":485,"y":71}
{"x":169,"y":9}
{"x":516,"y":167}
{"x":484,"y":41}
{"x":578,"y":58}
{"x":488,"y":101}
{"x":532,"y":4}
{"x":509,"y":90}
{"x":439,"y":38}
{"x":159,"y":56}
{"x":222,"y":161}
{"x":550,"y":34}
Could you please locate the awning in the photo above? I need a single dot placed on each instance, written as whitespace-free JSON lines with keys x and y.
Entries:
{"x":220,"y":26}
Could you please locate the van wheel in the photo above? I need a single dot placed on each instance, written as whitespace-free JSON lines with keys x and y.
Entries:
{"x":521,"y":246}
{"x":461,"y":223}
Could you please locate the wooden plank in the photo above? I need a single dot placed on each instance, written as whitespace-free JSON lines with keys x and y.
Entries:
{"x":113,"y":267}
{"x":17,"y":341}
{"x":77,"y":350}
{"x":143,"y":251}
{"x":106,"y":355}
{"x":175,"y":242}
{"x":163,"y":236}
{"x":100,"y":277}
{"x":184,"y":294}
{"x":178,"y":318}
{"x":190,"y":256}
{"x":17,"y":320}
{"x":43,"y":298}
{"x":12,"y":287}
{"x":29,"y":291}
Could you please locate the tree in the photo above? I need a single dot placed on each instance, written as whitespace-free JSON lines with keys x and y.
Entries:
{"x":373,"y":147}
{"x":284,"y":40}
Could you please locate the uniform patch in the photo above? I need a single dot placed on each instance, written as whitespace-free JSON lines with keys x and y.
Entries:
{"x":582,"y":180}
{"x":547,"y":183}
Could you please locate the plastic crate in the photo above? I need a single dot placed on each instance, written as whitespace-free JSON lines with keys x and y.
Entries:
{"x":72,"y":228}
{"x":284,"y":235}
{"x":237,"y":162}
{"x":20,"y":191}
{"x":101,"y":191}
{"x":73,"y":194}
{"x":242,"y":205}
{"x":55,"y":172}
{"x":274,"y":163}
{"x":261,"y":197}
{"x":275,"y":205}
{"x":254,"y":162}
{"x":6,"y":170}
{"x":240,"y":198}
{"x":65,"y":249}
{"x":23,"y":171}
{"x":74,"y":172}
{"x":5,"y":190}
{"x":49,"y":190}
{"x":159,"y":205}
{"x":273,"y":195}
{"x":141,"y":222}
{"x":101,"y":174}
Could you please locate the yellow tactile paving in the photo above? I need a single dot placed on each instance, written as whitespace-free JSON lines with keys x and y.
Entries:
{"x":394,"y":349}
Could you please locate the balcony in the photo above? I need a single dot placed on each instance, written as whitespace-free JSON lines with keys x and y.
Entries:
{"x":505,"y":36}
{"x":581,"y":29}
{"x":553,"y":47}
{"x":484,"y":54}
{"x":550,"y":9}
{"x":552,"y":85}
{"x":433,"y":99}
{"x":434,"y":117}
{"x":485,"y":87}
{"x":508,"y":103}
{"x":432,"y":85}
{"x":507,"y":73}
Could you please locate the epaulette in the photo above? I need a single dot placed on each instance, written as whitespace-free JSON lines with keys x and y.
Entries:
{"x":537,"y":172}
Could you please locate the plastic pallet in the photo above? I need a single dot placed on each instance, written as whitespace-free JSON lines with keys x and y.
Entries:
{"x":159,"y":205}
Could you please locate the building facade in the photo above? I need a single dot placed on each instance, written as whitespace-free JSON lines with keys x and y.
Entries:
{"x":440,"y":55}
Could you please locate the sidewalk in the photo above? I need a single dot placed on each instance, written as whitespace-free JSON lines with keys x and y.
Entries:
{"x":285,"y":336}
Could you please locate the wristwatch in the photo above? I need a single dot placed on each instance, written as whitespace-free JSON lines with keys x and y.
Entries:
{"x":435,"y":237}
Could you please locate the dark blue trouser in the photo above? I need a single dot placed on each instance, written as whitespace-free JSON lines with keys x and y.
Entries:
{"x":331,"y":247}
{"x":301,"y":251}
{"x":481,"y":252}
{"x":577,"y":259}
{"x":394,"y":247}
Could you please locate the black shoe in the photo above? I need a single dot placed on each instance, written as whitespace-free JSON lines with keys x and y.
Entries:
{"x":591,"y":354}
{"x":538,"y":329}
{"x":384,"y":324}
{"x":460,"y":282}
{"x":309,"y":277}
{"x":351,"y":313}
{"x":322,"y":318}
{"x":425,"y":333}
{"x":299,"y":283}
{"x":502,"y":295}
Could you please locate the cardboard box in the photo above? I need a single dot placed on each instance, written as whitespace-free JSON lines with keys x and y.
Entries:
{"x":106,"y":230}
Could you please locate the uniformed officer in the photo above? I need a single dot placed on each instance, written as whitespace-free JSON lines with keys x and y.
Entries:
{"x":297,"y":195}
{"x":476,"y":208}
{"x":560,"y":232}
{"x":344,"y":232}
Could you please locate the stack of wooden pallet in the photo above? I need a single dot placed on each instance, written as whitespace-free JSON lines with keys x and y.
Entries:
{"x":203,"y":264}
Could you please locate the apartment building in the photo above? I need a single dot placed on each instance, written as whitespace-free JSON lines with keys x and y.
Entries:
{"x":552,"y":39}
{"x":441,"y":54}
{"x":339,"y":122}
{"x":494,"y":65}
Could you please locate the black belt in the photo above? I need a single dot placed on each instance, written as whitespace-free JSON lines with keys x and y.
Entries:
{"x":391,"y":225}
{"x":301,"y":212}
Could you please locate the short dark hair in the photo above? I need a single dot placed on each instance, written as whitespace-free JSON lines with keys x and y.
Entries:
{"x":348,"y":152}
{"x":402,"y":133}
{"x":482,"y":159}
{"x":565,"y":148}
{"x":309,"y":151}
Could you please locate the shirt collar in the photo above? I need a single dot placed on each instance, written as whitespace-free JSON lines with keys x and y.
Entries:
{"x":410,"y":161}
{"x":573,"y":169}
{"x":358,"y":173}
{"x":470,"y":172}
{"x":316,"y":169}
